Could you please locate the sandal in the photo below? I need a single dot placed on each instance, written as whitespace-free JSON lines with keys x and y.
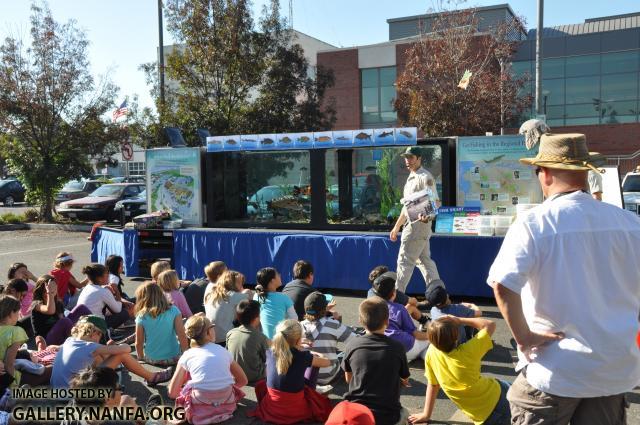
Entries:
{"x":159,"y":377}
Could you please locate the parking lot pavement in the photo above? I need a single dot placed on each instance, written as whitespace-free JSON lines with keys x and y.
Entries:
{"x":38,"y":248}
{"x":18,"y":208}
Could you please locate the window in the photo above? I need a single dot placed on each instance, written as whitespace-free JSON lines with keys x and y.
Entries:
{"x":619,"y":87}
{"x":552,"y":68}
{"x":583,"y":65}
{"x":136,"y":169}
{"x":553,"y":92}
{"x":620,"y":62}
{"x":370,"y":191}
{"x":131,"y":191}
{"x":377,"y":95}
{"x":582,"y":89}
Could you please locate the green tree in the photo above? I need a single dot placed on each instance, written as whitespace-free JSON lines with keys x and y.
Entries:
{"x":51,"y":109}
{"x":230,"y":75}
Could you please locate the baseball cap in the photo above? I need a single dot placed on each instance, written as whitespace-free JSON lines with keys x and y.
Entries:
{"x":384,"y":284}
{"x":412,"y":150}
{"x":315,"y":303}
{"x":436,"y":295}
{"x":348,"y":413}
{"x":98,"y":322}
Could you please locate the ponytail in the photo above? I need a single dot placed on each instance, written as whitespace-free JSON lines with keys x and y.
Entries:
{"x":196,"y":329}
{"x":94,"y":271}
{"x":288,"y":332}
{"x":263,"y":277}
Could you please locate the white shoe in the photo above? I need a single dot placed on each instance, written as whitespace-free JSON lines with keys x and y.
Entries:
{"x":323,"y":389}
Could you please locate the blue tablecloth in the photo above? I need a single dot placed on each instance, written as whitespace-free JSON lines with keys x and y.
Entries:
{"x":117,"y":242}
{"x":341,"y":260}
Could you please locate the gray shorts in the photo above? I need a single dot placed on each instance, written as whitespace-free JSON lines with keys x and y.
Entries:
{"x":530,"y":406}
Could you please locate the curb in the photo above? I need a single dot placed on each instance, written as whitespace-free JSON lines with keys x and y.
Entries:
{"x":67,"y":227}
{"x":9,"y":227}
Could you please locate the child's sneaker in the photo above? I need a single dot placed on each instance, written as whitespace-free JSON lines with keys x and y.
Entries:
{"x":323,"y":389}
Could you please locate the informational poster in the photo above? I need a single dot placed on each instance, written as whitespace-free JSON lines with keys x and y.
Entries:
{"x":458,"y":220}
{"x":491,"y":177}
{"x":173,"y":183}
{"x":611,"y":190}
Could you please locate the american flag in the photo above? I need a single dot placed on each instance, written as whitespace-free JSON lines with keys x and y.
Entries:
{"x":121,"y":111}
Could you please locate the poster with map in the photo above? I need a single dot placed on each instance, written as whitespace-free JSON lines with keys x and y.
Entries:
{"x":173,"y":183}
{"x":491,"y":177}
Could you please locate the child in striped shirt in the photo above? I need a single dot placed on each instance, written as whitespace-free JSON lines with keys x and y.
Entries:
{"x":324,"y":333}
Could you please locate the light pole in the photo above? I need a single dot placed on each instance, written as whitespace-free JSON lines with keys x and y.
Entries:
{"x":161,"y":58}
{"x":539,"y":57}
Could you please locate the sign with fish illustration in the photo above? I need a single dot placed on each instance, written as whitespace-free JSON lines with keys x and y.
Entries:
{"x":384,"y":136}
{"x":284,"y":141}
{"x":406,"y":136}
{"x":343,"y":138}
{"x":302,"y":140}
{"x":363,"y":137}
{"x":231,"y":143}
{"x":323,"y":139}
{"x":215,"y":144}
{"x":249,"y":143}
{"x":266,"y":141}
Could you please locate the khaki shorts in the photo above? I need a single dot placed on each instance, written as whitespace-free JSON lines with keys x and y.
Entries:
{"x":530,"y":406}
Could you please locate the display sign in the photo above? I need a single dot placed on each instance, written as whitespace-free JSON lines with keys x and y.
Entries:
{"x":173,"y":183}
{"x":458,"y":220}
{"x":404,"y":136}
{"x":491,"y":177}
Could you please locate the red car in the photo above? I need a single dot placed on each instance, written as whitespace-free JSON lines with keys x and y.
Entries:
{"x":99,"y":205}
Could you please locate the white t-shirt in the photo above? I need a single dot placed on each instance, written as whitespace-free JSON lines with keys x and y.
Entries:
{"x":595,"y":182}
{"x":95,"y":298}
{"x":208,"y":366}
{"x":574,"y":262}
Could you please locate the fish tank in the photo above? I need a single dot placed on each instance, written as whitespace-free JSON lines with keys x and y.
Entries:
{"x":317,"y":189}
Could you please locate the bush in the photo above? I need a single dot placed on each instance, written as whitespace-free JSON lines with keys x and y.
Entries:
{"x":31,"y":215}
{"x":11,"y":218}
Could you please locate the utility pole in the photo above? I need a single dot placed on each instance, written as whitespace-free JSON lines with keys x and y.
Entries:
{"x":161,"y":58}
{"x":539,"y":58}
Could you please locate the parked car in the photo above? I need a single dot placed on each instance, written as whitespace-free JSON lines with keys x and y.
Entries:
{"x":631,"y":191}
{"x":11,"y":191}
{"x":126,"y":209}
{"x":76,"y":189}
{"x":100,"y":204}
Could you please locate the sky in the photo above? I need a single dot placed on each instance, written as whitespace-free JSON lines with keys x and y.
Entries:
{"x":124,"y":33}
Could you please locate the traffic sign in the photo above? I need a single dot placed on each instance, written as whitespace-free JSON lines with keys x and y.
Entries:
{"x":127,"y":151}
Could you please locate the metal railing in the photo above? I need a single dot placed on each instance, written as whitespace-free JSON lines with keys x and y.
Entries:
{"x":625,"y":163}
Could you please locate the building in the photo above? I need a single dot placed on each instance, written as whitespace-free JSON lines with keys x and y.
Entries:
{"x":590,"y":76}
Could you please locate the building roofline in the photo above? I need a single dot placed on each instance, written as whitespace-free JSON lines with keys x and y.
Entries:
{"x":315,"y":38}
{"x":609,"y":18}
{"x":403,"y":40}
{"x":432,"y":15}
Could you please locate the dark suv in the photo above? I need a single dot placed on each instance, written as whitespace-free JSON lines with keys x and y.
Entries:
{"x":99,"y":205}
{"x":11,"y":191}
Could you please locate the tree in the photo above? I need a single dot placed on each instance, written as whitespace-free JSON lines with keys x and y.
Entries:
{"x":51,"y":109}
{"x":231,"y":76}
{"x":428,"y":95}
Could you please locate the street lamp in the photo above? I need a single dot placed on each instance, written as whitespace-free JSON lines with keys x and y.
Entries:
{"x":545,"y":94}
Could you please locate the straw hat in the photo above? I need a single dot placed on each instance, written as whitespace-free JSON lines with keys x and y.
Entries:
{"x":565,"y":151}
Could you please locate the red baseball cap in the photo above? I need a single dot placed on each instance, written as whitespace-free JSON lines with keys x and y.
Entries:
{"x":348,"y":413}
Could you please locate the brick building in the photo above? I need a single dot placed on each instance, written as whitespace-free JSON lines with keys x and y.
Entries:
{"x":590,"y":76}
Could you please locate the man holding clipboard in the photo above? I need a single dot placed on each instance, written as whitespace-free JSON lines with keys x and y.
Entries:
{"x":419,"y":203}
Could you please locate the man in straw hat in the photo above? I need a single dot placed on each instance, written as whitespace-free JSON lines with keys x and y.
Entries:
{"x":567,"y":285}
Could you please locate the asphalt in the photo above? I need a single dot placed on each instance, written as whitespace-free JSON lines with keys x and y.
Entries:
{"x":37,"y":248}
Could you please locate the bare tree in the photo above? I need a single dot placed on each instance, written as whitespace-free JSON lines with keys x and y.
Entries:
{"x":428,"y":94}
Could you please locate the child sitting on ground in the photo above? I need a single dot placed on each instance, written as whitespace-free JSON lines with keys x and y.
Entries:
{"x":457,"y":369}
{"x":220,"y":303}
{"x":194,"y":293}
{"x":157,"y":268}
{"x":400,"y":327}
{"x":375,"y":366}
{"x":82,"y":349}
{"x":274,"y":306}
{"x":410,"y":303}
{"x":19,"y":289}
{"x":324,"y":333}
{"x":11,"y":339}
{"x":160,"y":336}
{"x":21,"y":271}
{"x":170,"y":285}
{"x":67,"y":283}
{"x":104,"y":301}
{"x":207,"y":380}
{"x":247,"y":344}
{"x":442,"y":306}
{"x":285,"y":398}
{"x":47,"y":315}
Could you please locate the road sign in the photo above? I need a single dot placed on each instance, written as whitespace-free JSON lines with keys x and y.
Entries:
{"x":127,"y":151}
